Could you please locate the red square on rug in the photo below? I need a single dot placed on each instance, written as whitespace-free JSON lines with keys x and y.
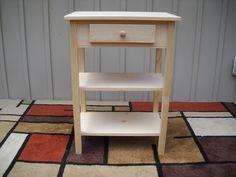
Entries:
{"x":45,"y":148}
{"x":180,"y":106}
{"x":50,"y":110}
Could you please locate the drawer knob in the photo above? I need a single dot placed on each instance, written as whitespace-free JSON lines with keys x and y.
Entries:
{"x":122,"y":34}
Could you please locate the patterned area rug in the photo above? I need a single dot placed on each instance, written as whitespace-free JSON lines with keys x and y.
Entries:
{"x":36,"y":139}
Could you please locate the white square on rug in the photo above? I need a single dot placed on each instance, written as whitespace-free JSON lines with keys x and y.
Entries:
{"x":9,"y":149}
{"x":213,"y":126}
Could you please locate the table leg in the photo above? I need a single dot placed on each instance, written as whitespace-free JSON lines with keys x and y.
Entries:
{"x":166,"y":88}
{"x":82,"y":69}
{"x":156,"y":96}
{"x":75,"y":87}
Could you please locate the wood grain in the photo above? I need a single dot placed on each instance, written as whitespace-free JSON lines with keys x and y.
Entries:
{"x":75,"y":86}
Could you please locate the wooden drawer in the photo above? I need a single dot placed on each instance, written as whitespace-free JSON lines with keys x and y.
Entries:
{"x":122,"y":33}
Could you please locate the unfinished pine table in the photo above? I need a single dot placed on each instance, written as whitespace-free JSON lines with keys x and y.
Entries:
{"x":121,"y":29}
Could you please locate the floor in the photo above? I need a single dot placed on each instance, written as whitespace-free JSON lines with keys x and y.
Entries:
{"x":36,"y":139}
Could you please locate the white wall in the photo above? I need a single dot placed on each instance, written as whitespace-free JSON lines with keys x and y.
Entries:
{"x":34,"y":49}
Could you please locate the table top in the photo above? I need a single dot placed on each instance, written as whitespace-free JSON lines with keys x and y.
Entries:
{"x":121,"y":15}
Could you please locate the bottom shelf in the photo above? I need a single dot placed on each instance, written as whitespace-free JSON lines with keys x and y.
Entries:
{"x":120,"y":124}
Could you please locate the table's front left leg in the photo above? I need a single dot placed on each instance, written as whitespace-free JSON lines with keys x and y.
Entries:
{"x":75,"y":86}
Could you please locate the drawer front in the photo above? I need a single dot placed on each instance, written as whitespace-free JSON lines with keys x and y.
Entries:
{"x":122,"y":33}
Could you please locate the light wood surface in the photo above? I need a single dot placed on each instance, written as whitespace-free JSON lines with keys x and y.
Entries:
{"x":160,"y":36}
{"x":122,"y":33}
{"x":120,"y":81}
{"x":156,"y":95}
{"x":82,"y":69}
{"x":75,"y":86}
{"x":121,"y":29}
{"x":120,"y":124}
{"x":166,"y":89}
{"x":121,"y":15}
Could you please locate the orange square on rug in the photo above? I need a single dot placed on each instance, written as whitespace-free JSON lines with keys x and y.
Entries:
{"x":45,"y":148}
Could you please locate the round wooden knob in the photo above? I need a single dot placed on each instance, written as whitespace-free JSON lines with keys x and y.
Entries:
{"x":122,"y":34}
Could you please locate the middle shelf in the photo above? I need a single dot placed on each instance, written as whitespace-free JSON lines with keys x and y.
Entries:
{"x":120,"y":81}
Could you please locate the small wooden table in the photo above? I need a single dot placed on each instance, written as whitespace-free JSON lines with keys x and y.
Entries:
{"x":121,"y":29}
